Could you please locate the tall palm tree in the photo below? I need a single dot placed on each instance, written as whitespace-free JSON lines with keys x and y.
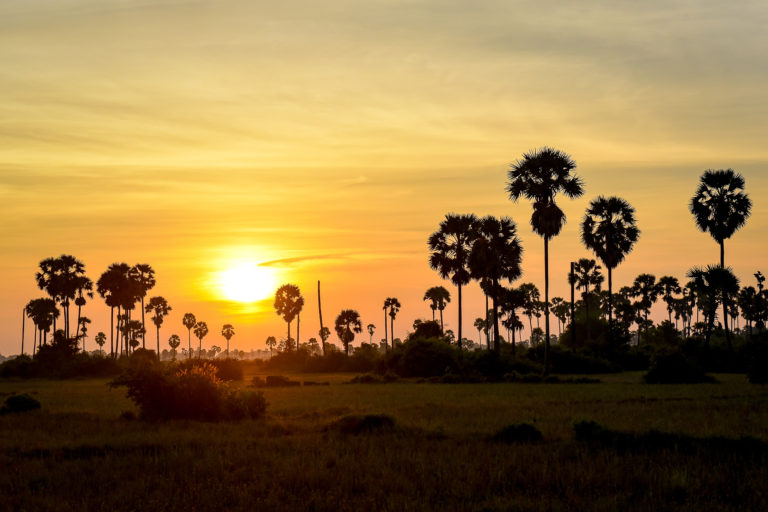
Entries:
{"x":347,"y":324}
{"x":371,"y":328}
{"x":386,"y":335}
{"x":609,"y":230}
{"x":480,"y":326}
{"x":108,"y":287}
{"x":720,"y":207}
{"x":160,"y":307}
{"x":189,"y":322}
{"x":530,"y":299}
{"x":201,"y":329}
{"x":60,"y":278}
{"x":496,"y":256}
{"x":439,"y":298}
{"x":450,"y":246}
{"x":288,"y":304}
{"x":174,"y":341}
{"x":144,"y":277}
{"x":539,"y":176}
{"x":228,"y":331}
{"x":394,"y":308}
{"x":713,"y":283}
{"x":84,"y":288}
{"x":83,"y":322}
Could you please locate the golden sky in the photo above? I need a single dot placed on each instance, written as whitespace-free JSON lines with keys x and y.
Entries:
{"x":334,"y":136}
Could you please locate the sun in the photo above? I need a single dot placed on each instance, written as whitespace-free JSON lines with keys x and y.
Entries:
{"x":247,"y":282}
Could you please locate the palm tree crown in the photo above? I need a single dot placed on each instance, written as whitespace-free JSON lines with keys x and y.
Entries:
{"x":720,"y":206}
{"x":347,"y":324}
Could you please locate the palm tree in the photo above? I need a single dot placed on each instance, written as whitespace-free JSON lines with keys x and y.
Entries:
{"x":394,"y":308}
{"x":669,"y":286}
{"x":530,"y":296}
{"x":324,"y":334}
{"x":371,"y":328}
{"x":386,"y":335}
{"x":439,"y":298}
{"x":83,"y":322}
{"x":586,"y":273}
{"x":496,"y":255}
{"x":83,"y":286}
{"x":144,"y":277}
{"x":271,"y":342}
{"x":43,"y":313}
{"x":609,"y":230}
{"x":647,"y":290}
{"x":100,"y":340}
{"x":228,"y":331}
{"x":60,"y":278}
{"x":713,"y":283}
{"x":174,"y":341}
{"x":108,"y":287}
{"x":288,"y":304}
{"x":720,"y":207}
{"x":480,"y":326}
{"x":539,"y":176}
{"x":189,"y":322}
{"x":450,"y":246}
{"x":201,"y":329}
{"x":132,"y":330}
{"x":347,"y":324}
{"x":161,"y":308}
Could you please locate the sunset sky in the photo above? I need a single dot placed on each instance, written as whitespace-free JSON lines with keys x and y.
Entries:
{"x":327,"y":140}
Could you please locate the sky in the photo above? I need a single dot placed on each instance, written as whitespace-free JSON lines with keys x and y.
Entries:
{"x":327,"y":140}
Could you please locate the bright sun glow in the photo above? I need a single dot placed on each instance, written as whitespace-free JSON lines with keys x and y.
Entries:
{"x":247,"y":282}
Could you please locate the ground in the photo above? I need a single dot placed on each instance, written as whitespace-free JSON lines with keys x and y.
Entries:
{"x":77,"y":453}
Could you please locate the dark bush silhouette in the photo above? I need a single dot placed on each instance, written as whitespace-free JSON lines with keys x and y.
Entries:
{"x":165,"y":392}
{"x":358,"y":424}
{"x":278,"y":381}
{"x":421,"y":357}
{"x":518,"y":433}
{"x":757,"y":367}
{"x":21,"y":366}
{"x":226,"y":369}
{"x":675,"y":368}
{"x":19,"y":403}
{"x":567,"y":361}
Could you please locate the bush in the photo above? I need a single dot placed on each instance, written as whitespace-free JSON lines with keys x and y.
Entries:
{"x":19,"y":403}
{"x":567,"y":361}
{"x":226,"y":369}
{"x":422,"y":357}
{"x":164,"y":392}
{"x":21,"y":366}
{"x":675,"y":368}
{"x":518,"y":433}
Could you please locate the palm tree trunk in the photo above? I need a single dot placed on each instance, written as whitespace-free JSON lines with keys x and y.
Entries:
{"x":433,"y":314}
{"x":487,"y":330}
{"x":111,"y":331}
{"x":79,"y":308}
{"x":392,"y":329}
{"x":573,"y":310}
{"x":144,"y":326}
{"x":298,"y":325}
{"x":442,"y":331}
{"x":725,"y":300}
{"x":459,"y":286}
{"x":34,"y":339}
{"x":496,"y":341}
{"x":23,"y":324}
{"x":320,"y":312}
{"x":386,"y":332}
{"x":546,"y":306}
{"x":189,"y":343}
{"x":586,"y":309}
{"x":288,"y":341}
{"x":610,"y":307}
{"x":158,"y":342}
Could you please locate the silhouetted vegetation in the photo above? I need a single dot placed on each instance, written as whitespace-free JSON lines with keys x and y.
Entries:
{"x":19,"y":403}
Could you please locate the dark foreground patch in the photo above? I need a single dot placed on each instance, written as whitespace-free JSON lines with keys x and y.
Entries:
{"x":363,"y":423}
{"x":19,"y":403}
{"x":518,"y":433}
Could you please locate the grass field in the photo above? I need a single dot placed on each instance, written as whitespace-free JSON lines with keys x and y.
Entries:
{"x":78,"y":454}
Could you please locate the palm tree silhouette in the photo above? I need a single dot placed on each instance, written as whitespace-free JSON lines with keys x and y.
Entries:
{"x":60,"y":278}
{"x":347,"y":324}
{"x":720,"y":207}
{"x":394,"y":307}
{"x":586,"y":273}
{"x":100,"y":340}
{"x":712,"y":283}
{"x":539,"y":176}
{"x":450,"y":246}
{"x":228,"y":331}
{"x":371,"y":328}
{"x":288,"y":304}
{"x":324,"y":334}
{"x":609,"y":230}
{"x":108,"y":287}
{"x":174,"y":341}
{"x":439,"y":298}
{"x":496,"y":255}
{"x":83,"y":322}
{"x":189,"y":322}
{"x":160,"y":307}
{"x":530,"y":296}
{"x":144,"y":277}
{"x":480,"y":326}
{"x":669,"y":286}
{"x":647,"y":290}
{"x":83,"y":286}
{"x":201,"y":329}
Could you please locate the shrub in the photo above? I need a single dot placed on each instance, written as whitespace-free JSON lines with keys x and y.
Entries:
{"x":518,"y":433}
{"x":421,"y":357}
{"x":19,"y":403}
{"x":226,"y":369}
{"x":165,"y":392}
{"x":675,"y":368}
{"x":21,"y":366}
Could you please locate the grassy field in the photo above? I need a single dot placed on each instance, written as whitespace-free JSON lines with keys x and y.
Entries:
{"x":77,"y":453}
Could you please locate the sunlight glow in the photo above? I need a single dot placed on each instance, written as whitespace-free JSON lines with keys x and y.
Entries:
{"x":247,"y":282}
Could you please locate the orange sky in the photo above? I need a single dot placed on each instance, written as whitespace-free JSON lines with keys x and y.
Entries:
{"x":335,"y":137}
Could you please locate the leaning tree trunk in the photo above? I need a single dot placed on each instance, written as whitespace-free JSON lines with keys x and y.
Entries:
{"x":320,"y":313}
{"x":725,"y":301}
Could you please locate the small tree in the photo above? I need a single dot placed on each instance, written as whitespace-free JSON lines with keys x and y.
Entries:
{"x":201,"y":330}
{"x":189,"y":322}
{"x":271,"y":343}
{"x":347,"y":324}
{"x":100,"y":339}
{"x":228,"y":331}
{"x":174,"y":341}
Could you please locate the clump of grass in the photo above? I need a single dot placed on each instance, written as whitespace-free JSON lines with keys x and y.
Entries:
{"x":518,"y":433}
{"x":357,"y":424}
{"x":19,"y":403}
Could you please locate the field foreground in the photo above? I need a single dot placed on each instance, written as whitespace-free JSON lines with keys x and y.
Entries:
{"x":78,"y":453}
